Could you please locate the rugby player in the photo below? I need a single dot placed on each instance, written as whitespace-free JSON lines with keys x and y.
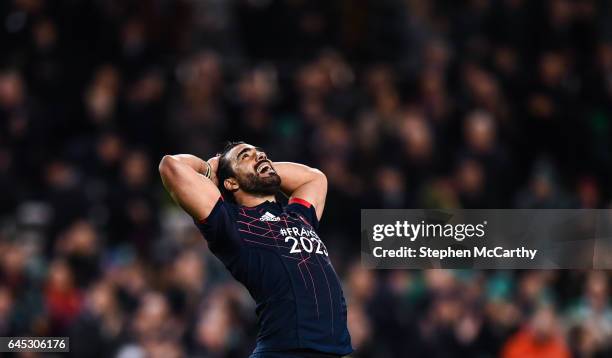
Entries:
{"x":274,"y":251}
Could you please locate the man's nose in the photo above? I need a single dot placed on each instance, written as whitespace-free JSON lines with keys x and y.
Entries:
{"x":261,"y":156}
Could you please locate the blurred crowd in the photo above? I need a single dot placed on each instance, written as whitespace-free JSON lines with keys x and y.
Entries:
{"x":402,"y":103}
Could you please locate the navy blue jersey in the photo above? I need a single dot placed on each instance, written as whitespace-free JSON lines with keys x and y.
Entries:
{"x":276,"y":253}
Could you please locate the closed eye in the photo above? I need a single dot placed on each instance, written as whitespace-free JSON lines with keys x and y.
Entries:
{"x":244,"y":153}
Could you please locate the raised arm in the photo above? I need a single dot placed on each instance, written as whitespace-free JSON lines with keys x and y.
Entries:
{"x":183,"y":177}
{"x":300,"y":181}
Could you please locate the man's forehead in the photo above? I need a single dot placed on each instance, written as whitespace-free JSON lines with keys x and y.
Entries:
{"x":237,"y":149}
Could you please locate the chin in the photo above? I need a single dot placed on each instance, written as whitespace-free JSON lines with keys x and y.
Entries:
{"x":256,"y":184}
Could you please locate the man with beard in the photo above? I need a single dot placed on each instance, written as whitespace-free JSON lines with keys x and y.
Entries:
{"x":274,"y":251}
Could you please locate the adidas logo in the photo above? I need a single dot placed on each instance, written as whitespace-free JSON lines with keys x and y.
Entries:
{"x":269,"y":217}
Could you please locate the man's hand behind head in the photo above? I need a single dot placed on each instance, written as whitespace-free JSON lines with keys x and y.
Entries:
{"x":214,"y":165}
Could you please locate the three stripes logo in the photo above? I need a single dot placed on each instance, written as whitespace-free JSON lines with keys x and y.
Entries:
{"x":269,"y":217}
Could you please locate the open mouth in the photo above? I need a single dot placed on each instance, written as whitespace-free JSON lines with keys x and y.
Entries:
{"x":263,"y":167}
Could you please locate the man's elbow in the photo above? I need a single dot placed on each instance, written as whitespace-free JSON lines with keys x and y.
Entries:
{"x":319,"y":176}
{"x":167,"y":166}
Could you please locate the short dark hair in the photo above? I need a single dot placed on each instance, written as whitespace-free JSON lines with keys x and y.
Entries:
{"x":224,"y":169}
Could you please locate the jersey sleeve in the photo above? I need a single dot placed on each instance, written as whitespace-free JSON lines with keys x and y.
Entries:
{"x":219,"y":229}
{"x":305,"y":210}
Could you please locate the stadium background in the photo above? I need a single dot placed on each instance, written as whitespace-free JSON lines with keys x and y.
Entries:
{"x":403,"y":104}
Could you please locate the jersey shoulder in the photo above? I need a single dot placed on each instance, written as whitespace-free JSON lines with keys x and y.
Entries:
{"x":304,"y":209}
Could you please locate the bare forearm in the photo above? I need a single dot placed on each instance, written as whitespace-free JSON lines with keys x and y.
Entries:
{"x":294,"y":175}
{"x":182,"y":176}
{"x":195,"y":163}
{"x":300,"y":181}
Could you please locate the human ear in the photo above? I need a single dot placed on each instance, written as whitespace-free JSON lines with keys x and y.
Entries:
{"x":230,"y":184}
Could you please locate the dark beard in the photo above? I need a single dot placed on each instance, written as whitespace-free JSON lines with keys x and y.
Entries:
{"x":258,"y":186}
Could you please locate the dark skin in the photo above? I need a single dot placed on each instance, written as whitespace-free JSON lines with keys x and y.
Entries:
{"x":183,"y":177}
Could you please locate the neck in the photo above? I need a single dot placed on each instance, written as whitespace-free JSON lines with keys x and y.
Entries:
{"x":252,"y":200}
